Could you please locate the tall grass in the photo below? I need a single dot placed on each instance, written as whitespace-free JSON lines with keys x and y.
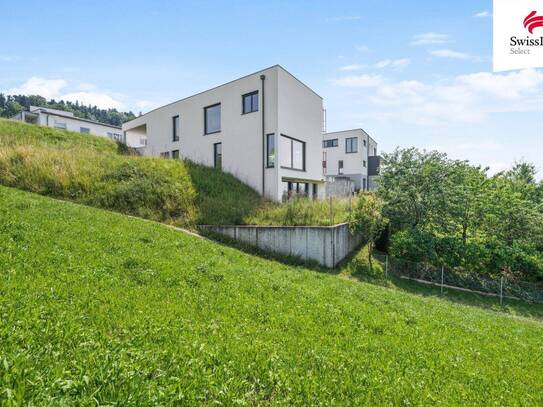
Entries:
{"x":91,"y":170}
{"x":302,"y":211}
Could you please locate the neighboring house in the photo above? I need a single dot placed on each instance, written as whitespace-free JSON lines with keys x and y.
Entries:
{"x":67,"y":121}
{"x":264,"y":128}
{"x":347,"y":154}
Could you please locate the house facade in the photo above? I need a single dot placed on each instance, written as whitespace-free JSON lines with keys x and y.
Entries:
{"x":67,"y":121}
{"x":264,"y":128}
{"x":347,"y":155}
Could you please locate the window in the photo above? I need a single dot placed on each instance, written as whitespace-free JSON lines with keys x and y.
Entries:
{"x":212,"y":119}
{"x":315,"y":191}
{"x":270,"y":150}
{"x":340,"y":167}
{"x":175,"y":128}
{"x":143,"y":141}
{"x":374,"y":151}
{"x":175,"y":154}
{"x":217,"y":155}
{"x":364,"y":163}
{"x":363,"y":184}
{"x":330,"y":143}
{"x":250,"y":102}
{"x":364,"y":142}
{"x":292,"y":153}
{"x":84,"y":130}
{"x":291,"y":189}
{"x":351,"y":145}
{"x":165,"y":154}
{"x":60,"y":125}
{"x":115,"y":136}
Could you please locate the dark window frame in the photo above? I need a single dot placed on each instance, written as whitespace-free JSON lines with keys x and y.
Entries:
{"x":174,"y":154}
{"x":272,"y":165}
{"x":253,"y":110}
{"x":205,"y":119}
{"x":340,"y":166}
{"x":292,"y":154}
{"x":215,"y":155}
{"x":350,"y":139}
{"x":335,"y":143}
{"x":175,"y":135}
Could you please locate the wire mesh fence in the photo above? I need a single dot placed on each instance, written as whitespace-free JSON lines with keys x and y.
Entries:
{"x":503,"y":287}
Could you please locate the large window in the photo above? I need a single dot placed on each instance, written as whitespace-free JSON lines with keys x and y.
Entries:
{"x":116,"y":136}
{"x":84,"y":130}
{"x":250,"y":102}
{"x":175,"y":128}
{"x":217,"y":155}
{"x":212,"y":119}
{"x":175,"y":154}
{"x":60,"y":125}
{"x":270,"y":150}
{"x":351,"y":145}
{"x":292,"y":153}
{"x":330,"y":143}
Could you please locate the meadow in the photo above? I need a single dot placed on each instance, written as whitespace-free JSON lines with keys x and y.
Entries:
{"x":103,"y":309}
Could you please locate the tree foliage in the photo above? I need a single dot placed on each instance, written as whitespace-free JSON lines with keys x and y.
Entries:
{"x":12,"y":104}
{"x":452,"y":213}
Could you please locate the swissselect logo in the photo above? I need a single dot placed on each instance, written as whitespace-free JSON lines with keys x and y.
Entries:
{"x":532,"y":21}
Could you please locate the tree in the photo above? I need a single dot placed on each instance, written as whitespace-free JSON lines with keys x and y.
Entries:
{"x":367,"y":221}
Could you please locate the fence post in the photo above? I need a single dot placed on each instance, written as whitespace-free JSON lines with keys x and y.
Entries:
{"x":386,"y":267}
{"x":501,"y":291}
{"x":442,"y":272}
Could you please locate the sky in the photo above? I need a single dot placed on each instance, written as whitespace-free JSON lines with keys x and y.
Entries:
{"x":409,"y":73}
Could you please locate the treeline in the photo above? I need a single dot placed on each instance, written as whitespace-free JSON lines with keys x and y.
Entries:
{"x":10,"y":105}
{"x":448,"y":212}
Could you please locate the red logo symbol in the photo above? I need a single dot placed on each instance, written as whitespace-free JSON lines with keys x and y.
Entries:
{"x":532,"y":22}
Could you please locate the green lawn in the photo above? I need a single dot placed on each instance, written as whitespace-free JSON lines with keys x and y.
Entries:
{"x":99,"y":308}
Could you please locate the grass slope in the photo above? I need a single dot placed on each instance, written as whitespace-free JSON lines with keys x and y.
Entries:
{"x":99,"y":308}
{"x":90,"y":170}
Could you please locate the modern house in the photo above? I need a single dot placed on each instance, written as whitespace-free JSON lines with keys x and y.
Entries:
{"x":347,"y":155}
{"x":60,"y":119}
{"x":264,"y":128}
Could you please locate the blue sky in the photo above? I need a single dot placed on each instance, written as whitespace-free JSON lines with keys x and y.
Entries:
{"x":410,"y":73}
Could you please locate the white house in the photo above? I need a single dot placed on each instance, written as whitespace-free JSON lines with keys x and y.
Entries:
{"x":67,"y":121}
{"x":265,"y":128}
{"x":348,"y":154}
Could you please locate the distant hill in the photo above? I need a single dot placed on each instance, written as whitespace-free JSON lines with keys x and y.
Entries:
{"x":13,"y":104}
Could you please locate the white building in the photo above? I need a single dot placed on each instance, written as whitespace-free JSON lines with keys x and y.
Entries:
{"x":60,"y":119}
{"x":348,"y":154}
{"x":265,"y":128}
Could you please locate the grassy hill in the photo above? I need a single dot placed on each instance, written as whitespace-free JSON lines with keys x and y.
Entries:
{"x":100,"y":308}
{"x":91,"y":170}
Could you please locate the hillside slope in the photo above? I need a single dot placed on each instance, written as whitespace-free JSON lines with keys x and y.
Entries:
{"x":99,"y":308}
{"x":91,"y":170}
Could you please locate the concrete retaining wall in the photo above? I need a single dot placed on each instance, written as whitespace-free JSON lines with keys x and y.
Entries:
{"x":327,"y":246}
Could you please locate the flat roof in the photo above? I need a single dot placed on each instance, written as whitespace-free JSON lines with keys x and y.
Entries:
{"x":228,"y":83}
{"x":344,"y":131}
{"x":67,"y":116}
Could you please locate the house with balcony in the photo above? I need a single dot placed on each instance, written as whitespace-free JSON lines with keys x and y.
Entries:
{"x":63,"y":120}
{"x":350,"y":155}
{"x":264,"y":128}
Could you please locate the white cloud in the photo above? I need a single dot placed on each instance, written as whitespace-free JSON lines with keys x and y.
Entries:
{"x":429,"y":39}
{"x":482,"y":14}
{"x":343,"y":18}
{"x":362,"y":48}
{"x":48,"y":88}
{"x":448,"y":53}
{"x":393,"y":63}
{"x":60,"y":89}
{"x":462,"y":99}
{"x":352,"y":67}
{"x":360,"y":81}
{"x":101,"y":100}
